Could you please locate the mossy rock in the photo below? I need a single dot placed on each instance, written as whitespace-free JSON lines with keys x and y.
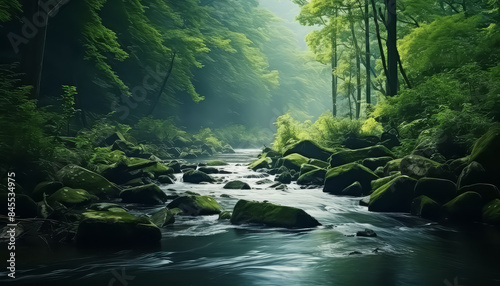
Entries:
{"x":375,"y":184}
{"x":349,"y":156}
{"x":440,"y":190}
{"x":392,"y":166}
{"x":486,"y":151}
{"x":418,"y":167}
{"x":318,"y":163}
{"x":128,"y":148}
{"x":374,"y":163}
{"x":47,"y":188}
{"x":196,"y":205}
{"x":149,"y":194}
{"x":425,"y":207}
{"x":339,"y":178}
{"x":395,"y":196}
{"x":163,"y":217}
{"x":208,"y":170}
{"x":260,"y":163}
{"x":271,"y":215}
{"x":101,"y":229}
{"x":473,"y":173}
{"x":107,"y":157}
{"x":214,"y":163}
{"x":284,"y":178}
{"x":491,"y":212}
{"x":71,"y":197}
{"x":305,"y":168}
{"x":465,"y":207}
{"x":314,"y":177}
{"x":77,"y":177}
{"x":488,"y":192}
{"x":308,"y":149}
{"x":294,"y":161}
{"x":354,"y":190}
{"x":225,"y":215}
{"x":25,"y":207}
{"x":196,"y":177}
{"x":105,"y":207}
{"x":237,"y":185}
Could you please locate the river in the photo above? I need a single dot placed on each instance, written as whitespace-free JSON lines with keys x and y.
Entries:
{"x":206,"y":251}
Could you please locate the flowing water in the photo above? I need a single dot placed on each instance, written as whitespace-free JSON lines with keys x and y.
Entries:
{"x":206,"y":251}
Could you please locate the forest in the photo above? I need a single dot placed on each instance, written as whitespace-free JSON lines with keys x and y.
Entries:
{"x":250,"y":142}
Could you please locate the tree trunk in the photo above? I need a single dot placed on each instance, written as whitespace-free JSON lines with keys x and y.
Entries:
{"x":358,"y":69}
{"x":379,"y":38}
{"x":334,"y":67}
{"x":349,"y":93}
{"x":392,"y":49}
{"x":164,"y":84}
{"x":367,"y":49}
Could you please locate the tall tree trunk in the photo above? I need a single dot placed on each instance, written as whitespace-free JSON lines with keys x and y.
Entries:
{"x":367,"y":49}
{"x":379,"y":38}
{"x":334,"y":67}
{"x":349,"y":93}
{"x":392,"y":49}
{"x":164,"y":84}
{"x":358,"y":68}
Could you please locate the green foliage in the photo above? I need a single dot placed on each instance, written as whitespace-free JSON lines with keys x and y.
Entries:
{"x":9,"y":8}
{"x":208,"y":137}
{"x":67,"y":99}
{"x":155,"y":131}
{"x":239,"y":135}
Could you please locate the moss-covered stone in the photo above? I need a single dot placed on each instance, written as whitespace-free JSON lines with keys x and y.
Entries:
{"x":225,"y":215}
{"x":374,"y":163}
{"x":284,"y":178}
{"x":339,"y":178}
{"x":395,"y":196}
{"x":149,"y":194}
{"x":25,"y":207}
{"x":271,"y":215}
{"x":107,"y":157}
{"x":294,"y":161}
{"x":465,"y":207}
{"x":196,"y":177}
{"x":488,"y":192}
{"x":135,"y":182}
{"x":196,"y":205}
{"x":375,"y":184}
{"x":491,"y":212}
{"x":116,"y":229}
{"x":105,"y":207}
{"x":47,"y":188}
{"x":305,"y":168}
{"x":163,"y":217}
{"x":392,"y":166}
{"x":486,"y":151}
{"x":318,"y":163}
{"x":77,"y":177}
{"x":215,"y":163}
{"x":237,"y":185}
{"x":308,"y":149}
{"x":353,"y":190}
{"x":418,"y":167}
{"x":314,"y":177}
{"x":473,"y":173}
{"x":425,"y":207}
{"x":71,"y":197}
{"x":128,"y":148}
{"x":260,"y":163}
{"x":208,"y":170}
{"x":349,"y":156}
{"x":439,"y":190}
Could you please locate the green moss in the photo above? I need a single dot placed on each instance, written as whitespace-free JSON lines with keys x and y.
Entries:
{"x":237,"y":185}
{"x":216,"y":163}
{"x":260,"y":163}
{"x":314,"y":177}
{"x":339,"y":178}
{"x":349,"y":156}
{"x":79,"y":178}
{"x":395,"y":196}
{"x":464,"y":207}
{"x":196,"y":205}
{"x":294,"y":161}
{"x":71,"y":197}
{"x":305,"y":168}
{"x":491,"y":212}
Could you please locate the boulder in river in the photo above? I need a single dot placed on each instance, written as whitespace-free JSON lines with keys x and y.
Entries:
{"x":208,"y":170}
{"x":237,"y":185}
{"x":196,"y":177}
{"x":486,"y":151}
{"x":71,"y":197}
{"x":318,"y":163}
{"x":339,"y":178}
{"x":307,"y":168}
{"x":314,"y":177}
{"x":472,"y":174}
{"x":374,"y":163}
{"x":395,"y":196}
{"x":440,"y":190}
{"x":101,"y":229}
{"x":80,"y":178}
{"x":465,"y":207}
{"x":366,"y":233}
{"x":309,"y":149}
{"x":149,"y":194}
{"x":225,"y":215}
{"x":354,"y":190}
{"x":425,"y":207}
{"x":293,"y":161}
{"x":271,"y":215}
{"x":163,"y":217}
{"x":392,"y":166}
{"x":193,"y":205}
{"x":260,"y":163}
{"x":375,"y":184}
{"x":349,"y":156}
{"x":284,"y":178}
{"x":491,"y":212}
{"x":418,"y":167}
{"x":488,"y":192}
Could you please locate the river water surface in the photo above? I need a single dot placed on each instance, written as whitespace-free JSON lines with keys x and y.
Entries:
{"x":206,"y":251}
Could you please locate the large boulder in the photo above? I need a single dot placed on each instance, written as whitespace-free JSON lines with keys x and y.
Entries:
{"x":359,"y":142}
{"x":293,"y":161}
{"x":260,"y":163}
{"x":133,"y":168}
{"x":128,"y":148}
{"x":284,"y":178}
{"x":237,"y":185}
{"x":339,"y":178}
{"x":101,"y":229}
{"x":418,"y":167}
{"x":196,"y":177}
{"x":148,"y":194}
{"x":194,"y":205}
{"x":488,"y":192}
{"x":305,"y":168}
{"x":77,"y":177}
{"x":375,"y":184}
{"x":472,"y":174}
{"x":374,"y":163}
{"x":214,"y":163}
{"x":271,"y":215}
{"x":354,"y":190}
{"x":465,"y":207}
{"x":395,"y":196}
{"x":425,"y":207}
{"x":392,"y":166}
{"x":491,"y":212}
{"x":71,"y":197}
{"x":486,"y":151}
{"x":440,"y":190}
{"x":308,"y":149}
{"x":318,"y":163}
{"x":163,"y":217}
{"x":314,"y":177}
{"x":349,"y":156}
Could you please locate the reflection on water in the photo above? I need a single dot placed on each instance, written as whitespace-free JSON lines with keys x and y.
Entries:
{"x":205,"y":251}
